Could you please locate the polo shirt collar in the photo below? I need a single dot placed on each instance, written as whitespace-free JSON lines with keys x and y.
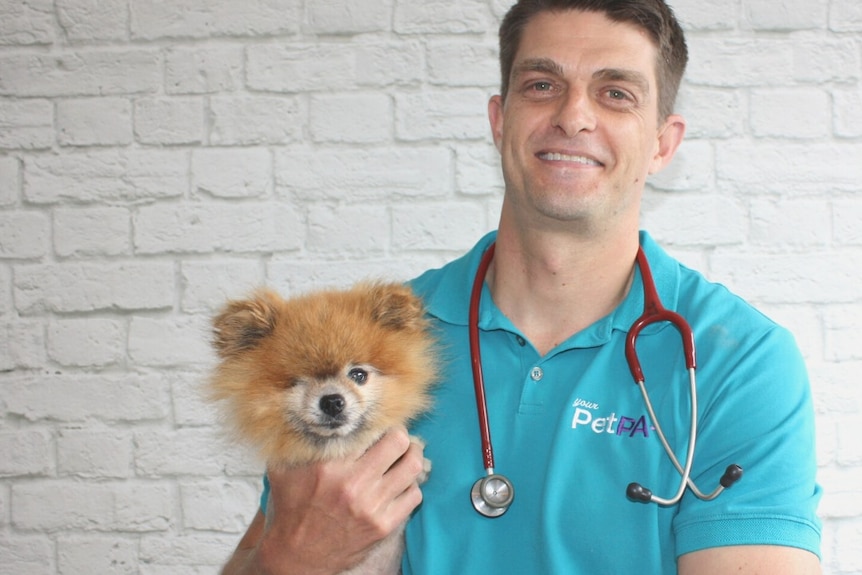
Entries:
{"x":450,"y":303}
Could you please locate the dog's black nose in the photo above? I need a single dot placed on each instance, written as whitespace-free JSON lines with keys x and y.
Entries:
{"x":332,"y":405}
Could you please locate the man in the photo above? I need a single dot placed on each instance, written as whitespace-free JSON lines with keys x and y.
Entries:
{"x":583,"y":118}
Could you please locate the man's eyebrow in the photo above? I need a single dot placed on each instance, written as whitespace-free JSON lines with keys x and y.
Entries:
{"x":623,"y":75}
{"x":538,"y":65}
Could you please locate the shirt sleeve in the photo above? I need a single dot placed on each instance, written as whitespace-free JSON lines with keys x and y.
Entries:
{"x":757,"y":412}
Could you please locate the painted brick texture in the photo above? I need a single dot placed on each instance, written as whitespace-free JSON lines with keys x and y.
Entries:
{"x":157,"y":158}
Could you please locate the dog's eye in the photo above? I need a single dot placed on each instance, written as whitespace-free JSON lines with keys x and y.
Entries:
{"x":358,"y":375}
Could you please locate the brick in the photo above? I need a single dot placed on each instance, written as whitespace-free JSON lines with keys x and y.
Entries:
{"x":10,"y":181}
{"x":232,"y":173}
{"x":54,"y":505}
{"x":26,"y":124}
{"x":846,"y":215}
{"x":845,"y":16}
{"x":477,"y":170}
{"x":107,"y":176}
{"x":446,"y":226}
{"x":219,"y":504}
{"x":333,"y":118}
{"x":790,"y":222}
{"x":169,"y":121}
{"x":26,"y":23}
{"x":840,"y":325}
{"x":359,"y":229}
{"x":711,"y":219}
{"x":25,"y":453}
{"x":809,"y":107}
{"x":698,"y":105}
{"x":87,"y":342}
{"x":203,"y":69}
{"x":30,"y":554}
{"x":847,"y":105}
{"x":296,"y":67}
{"x":22,"y":345}
{"x":787,"y":14}
{"x":214,"y":18}
{"x":207,"y":285}
{"x":441,"y":17}
{"x":101,"y":73}
{"x":757,"y":167}
{"x":94,"y":122}
{"x":292,"y":276}
{"x":114,"y":555}
{"x":144,"y":507}
{"x":23,"y":234}
{"x":381,"y":64}
{"x":190,"y":405}
{"x":349,"y":16}
{"x":5,"y":290}
{"x":92,"y":232}
{"x":364,"y":173}
{"x":833,"y":397}
{"x":789,"y":277}
{"x":692,"y":169}
{"x":736,"y":62}
{"x":94,"y":286}
{"x":696,"y":15}
{"x":94,"y":454}
{"x":457,"y":114}
{"x":463,"y":63}
{"x":248,"y":121}
{"x":258,"y":227}
{"x":93,"y":20}
{"x":77,"y":397}
{"x":848,"y":534}
{"x":186,"y":551}
{"x":822,"y":61}
{"x":190,"y":452}
{"x":155,"y":342}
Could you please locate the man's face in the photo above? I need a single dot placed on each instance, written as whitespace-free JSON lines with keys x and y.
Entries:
{"x":578,"y":131}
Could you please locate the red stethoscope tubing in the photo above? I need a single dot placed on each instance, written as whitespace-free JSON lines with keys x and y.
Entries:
{"x":653,"y":312}
{"x":476,"y":360}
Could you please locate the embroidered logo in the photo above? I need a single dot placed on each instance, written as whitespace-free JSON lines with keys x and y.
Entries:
{"x":587,"y":416}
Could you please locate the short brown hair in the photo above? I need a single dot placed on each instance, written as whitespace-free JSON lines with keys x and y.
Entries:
{"x":653,"y":16}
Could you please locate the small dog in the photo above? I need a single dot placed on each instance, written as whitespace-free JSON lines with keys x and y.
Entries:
{"x":324,"y":375}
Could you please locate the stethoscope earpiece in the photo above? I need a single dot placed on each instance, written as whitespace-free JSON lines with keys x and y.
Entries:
{"x":492,"y":495}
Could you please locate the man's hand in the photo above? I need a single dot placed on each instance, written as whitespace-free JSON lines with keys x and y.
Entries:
{"x":323,"y":518}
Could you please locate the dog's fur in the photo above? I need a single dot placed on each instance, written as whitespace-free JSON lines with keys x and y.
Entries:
{"x":324,"y":375}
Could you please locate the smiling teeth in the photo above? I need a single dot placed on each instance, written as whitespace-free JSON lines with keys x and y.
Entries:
{"x":566,"y":158}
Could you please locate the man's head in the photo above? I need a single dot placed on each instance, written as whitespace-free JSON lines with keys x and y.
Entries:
{"x":652,"y":16}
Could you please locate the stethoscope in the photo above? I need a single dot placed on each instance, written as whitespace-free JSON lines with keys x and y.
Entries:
{"x":493,"y":493}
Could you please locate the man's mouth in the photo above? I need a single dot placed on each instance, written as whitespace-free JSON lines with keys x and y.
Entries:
{"x":557,"y":157}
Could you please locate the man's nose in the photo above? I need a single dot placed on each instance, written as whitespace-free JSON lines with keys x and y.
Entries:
{"x":575,"y":112}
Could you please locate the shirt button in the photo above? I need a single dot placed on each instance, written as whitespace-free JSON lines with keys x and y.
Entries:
{"x":521,"y":341}
{"x":536,"y":373}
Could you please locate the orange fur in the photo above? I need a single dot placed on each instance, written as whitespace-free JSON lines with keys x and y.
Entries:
{"x":280,"y":357}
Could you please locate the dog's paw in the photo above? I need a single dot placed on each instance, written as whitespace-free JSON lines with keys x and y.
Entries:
{"x":426,"y":463}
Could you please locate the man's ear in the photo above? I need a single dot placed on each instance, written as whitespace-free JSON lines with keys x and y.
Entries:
{"x":670,"y":136}
{"x":495,"y":118}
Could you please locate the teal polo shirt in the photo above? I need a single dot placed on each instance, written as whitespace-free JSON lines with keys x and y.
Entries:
{"x":571,"y":431}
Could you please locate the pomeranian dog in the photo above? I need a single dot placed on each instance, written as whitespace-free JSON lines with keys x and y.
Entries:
{"x":324,"y":375}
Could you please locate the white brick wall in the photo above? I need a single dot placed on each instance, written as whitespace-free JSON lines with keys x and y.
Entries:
{"x":157,"y":158}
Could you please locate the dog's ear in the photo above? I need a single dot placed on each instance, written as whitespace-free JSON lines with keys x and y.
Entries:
{"x":396,"y":307}
{"x":242,"y":324}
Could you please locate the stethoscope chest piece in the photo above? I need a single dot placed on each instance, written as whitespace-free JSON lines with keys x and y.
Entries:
{"x":492,"y":495}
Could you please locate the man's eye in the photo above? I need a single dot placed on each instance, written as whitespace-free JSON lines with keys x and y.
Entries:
{"x":617,"y":95}
{"x":358,"y":375}
{"x":542,"y":86}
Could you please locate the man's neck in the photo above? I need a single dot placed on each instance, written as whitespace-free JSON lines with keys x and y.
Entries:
{"x":552,"y":286}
